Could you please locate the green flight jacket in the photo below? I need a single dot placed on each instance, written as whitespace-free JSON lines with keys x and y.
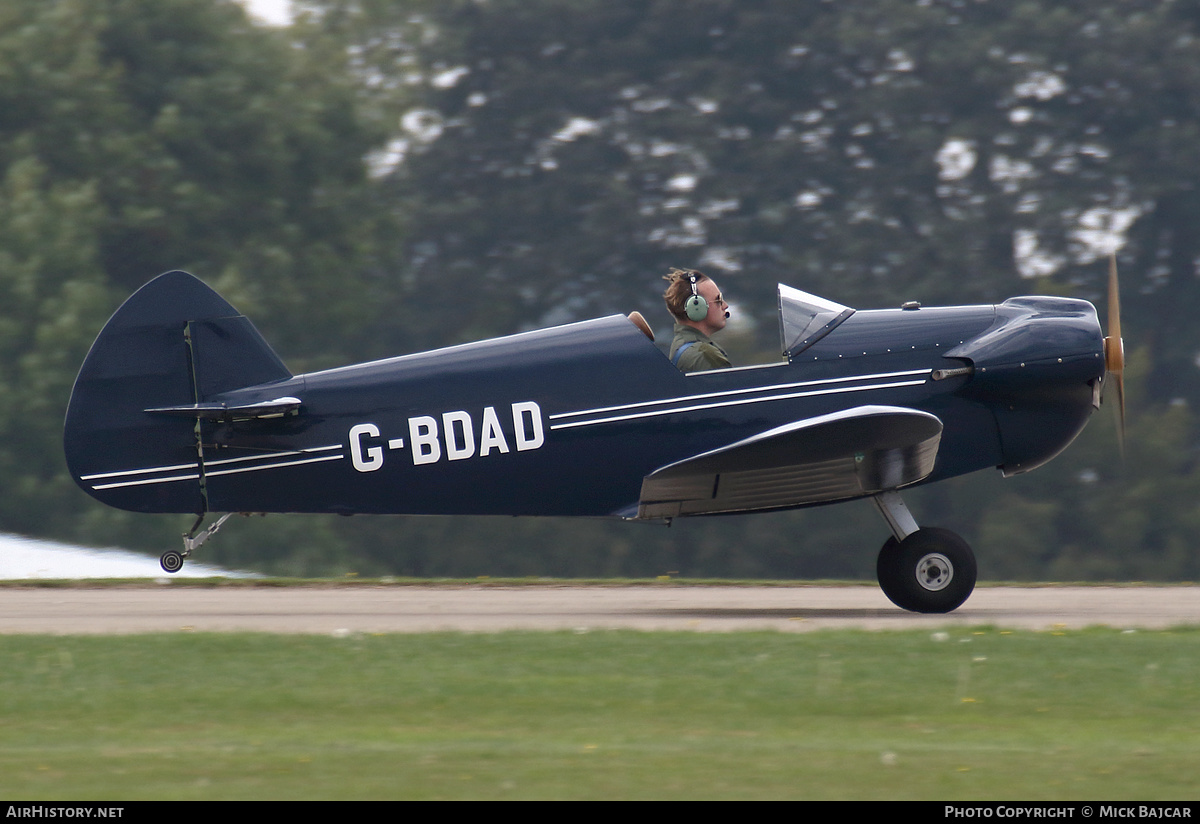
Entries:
{"x":700,"y":355}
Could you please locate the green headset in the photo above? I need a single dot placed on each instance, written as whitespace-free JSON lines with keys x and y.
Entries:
{"x":695,"y":307}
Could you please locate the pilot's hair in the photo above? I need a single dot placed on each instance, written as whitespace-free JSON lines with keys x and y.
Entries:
{"x":680,"y":289}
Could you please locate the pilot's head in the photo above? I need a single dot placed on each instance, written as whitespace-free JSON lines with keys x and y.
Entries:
{"x":694,"y":299}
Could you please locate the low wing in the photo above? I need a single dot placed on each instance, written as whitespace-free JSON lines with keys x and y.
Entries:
{"x":848,"y":454}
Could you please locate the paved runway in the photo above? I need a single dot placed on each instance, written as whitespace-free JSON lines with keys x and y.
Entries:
{"x":174,"y":608}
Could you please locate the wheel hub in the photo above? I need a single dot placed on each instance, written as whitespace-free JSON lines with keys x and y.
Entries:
{"x":934,"y":572}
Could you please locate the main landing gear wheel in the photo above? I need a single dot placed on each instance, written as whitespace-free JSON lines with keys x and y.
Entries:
{"x":171,"y":561}
{"x":932,"y":570}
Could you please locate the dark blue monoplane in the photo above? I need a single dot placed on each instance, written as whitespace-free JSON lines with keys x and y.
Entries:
{"x":182,"y":407}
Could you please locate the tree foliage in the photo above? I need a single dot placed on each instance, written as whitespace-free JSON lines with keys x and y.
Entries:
{"x":949,"y":151}
{"x":383,"y":177}
{"x":138,"y":136}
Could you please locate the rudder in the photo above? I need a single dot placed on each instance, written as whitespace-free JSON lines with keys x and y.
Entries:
{"x":173,"y":343}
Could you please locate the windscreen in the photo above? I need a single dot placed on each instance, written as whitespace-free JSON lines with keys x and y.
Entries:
{"x":804,"y":319}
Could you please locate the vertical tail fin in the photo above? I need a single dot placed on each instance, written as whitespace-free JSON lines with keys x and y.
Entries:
{"x":174,"y":342}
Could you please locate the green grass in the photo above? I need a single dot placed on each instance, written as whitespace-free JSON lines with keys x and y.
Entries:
{"x":964,"y":714}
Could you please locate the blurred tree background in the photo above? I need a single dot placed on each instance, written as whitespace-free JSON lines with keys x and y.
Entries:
{"x":386,"y":176}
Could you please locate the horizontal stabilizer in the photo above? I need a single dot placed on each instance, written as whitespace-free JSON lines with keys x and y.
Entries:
{"x":277,"y":408}
{"x":848,"y":454}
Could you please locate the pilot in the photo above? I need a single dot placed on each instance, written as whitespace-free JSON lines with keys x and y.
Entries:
{"x":699,"y":311}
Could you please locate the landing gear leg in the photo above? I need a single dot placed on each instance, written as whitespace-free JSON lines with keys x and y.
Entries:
{"x":899,"y":519}
{"x":922,"y":569}
{"x":172,"y":561}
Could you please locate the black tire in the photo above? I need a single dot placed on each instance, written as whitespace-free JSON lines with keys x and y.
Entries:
{"x":171,"y":561}
{"x":885,"y":571}
{"x":932,"y":570}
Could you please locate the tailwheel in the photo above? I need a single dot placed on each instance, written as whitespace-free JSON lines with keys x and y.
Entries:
{"x":931,"y":570}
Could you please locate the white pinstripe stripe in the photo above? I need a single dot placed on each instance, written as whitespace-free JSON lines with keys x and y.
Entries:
{"x":270,"y":461}
{"x":737,"y":402}
{"x":729,"y":392}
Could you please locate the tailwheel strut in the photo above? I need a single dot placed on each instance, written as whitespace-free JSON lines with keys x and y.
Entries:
{"x":193,"y":539}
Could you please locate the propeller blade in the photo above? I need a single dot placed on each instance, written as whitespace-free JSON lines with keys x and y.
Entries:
{"x":1121,"y":414}
{"x":1114,"y":353}
{"x":1114,"y":348}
